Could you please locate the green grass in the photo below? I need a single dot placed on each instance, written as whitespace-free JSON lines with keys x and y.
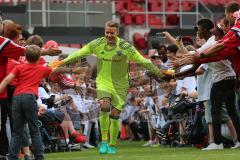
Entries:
{"x":134,"y":151}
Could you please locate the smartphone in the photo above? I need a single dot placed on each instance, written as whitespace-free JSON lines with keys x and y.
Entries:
{"x":160,"y":35}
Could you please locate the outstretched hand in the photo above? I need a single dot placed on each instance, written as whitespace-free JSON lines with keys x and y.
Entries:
{"x":190,"y":58}
{"x":55,"y":64}
{"x":168,"y":75}
{"x":51,"y":52}
{"x":174,"y":63}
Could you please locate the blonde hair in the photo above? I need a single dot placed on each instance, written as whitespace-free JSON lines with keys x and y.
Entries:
{"x":112,"y":24}
{"x":32,"y":53}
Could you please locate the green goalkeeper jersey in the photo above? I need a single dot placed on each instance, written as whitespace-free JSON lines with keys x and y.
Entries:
{"x":113,"y":61}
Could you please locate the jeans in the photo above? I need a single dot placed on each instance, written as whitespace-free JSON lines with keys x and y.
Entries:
{"x":24,"y":110}
{"x":3,"y":129}
{"x":224,"y":91}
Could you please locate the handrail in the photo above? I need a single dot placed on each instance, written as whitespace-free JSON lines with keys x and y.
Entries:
{"x":208,"y":10}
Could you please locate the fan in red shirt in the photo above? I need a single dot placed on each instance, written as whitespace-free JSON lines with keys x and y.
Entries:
{"x":24,"y":101}
{"x":226,"y":48}
{"x":8,"y":49}
{"x":229,"y":48}
{"x":28,"y":77}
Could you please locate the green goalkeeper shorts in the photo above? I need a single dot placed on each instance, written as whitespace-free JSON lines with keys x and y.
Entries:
{"x":117,"y":96}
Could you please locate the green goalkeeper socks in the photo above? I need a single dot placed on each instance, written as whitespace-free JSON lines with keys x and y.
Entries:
{"x":104,"y":125}
{"x":114,"y":131}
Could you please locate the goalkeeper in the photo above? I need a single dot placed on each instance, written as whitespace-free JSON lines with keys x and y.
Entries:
{"x":113,"y":56}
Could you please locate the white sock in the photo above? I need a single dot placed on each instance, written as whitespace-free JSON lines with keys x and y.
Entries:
{"x":67,"y":140}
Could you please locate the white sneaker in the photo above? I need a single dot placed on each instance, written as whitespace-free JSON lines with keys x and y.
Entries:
{"x":149,"y":143}
{"x":237,"y":145}
{"x":87,"y":145}
{"x":74,"y":146}
{"x":213,"y":146}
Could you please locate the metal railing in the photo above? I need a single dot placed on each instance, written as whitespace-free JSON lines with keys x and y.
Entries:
{"x":46,"y":12}
{"x":181,"y":13}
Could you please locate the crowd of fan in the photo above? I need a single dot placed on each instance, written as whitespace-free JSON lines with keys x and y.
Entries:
{"x":179,"y":112}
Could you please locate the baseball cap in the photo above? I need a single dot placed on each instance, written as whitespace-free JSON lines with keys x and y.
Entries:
{"x":51,"y":44}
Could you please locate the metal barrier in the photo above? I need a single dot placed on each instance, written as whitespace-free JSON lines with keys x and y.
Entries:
{"x":180,"y":13}
{"x":46,"y":12}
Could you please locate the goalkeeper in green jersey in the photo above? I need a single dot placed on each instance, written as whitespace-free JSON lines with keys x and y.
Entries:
{"x":113,"y":56}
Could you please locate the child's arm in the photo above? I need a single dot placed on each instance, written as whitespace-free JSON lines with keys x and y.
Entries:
{"x":6,"y":81}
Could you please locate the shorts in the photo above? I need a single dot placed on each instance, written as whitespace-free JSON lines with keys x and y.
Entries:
{"x":117,"y":96}
{"x":208,"y":114}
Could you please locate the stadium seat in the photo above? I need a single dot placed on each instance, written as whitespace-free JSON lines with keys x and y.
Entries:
{"x":139,"y":20}
{"x":191,"y":5}
{"x":155,"y":20}
{"x":127,"y":19}
{"x":119,"y":6}
{"x":175,"y":7}
{"x":185,"y":6}
{"x":172,"y":20}
{"x":156,"y":8}
{"x":138,"y":1}
{"x":152,"y":1}
{"x":213,"y":2}
{"x":205,"y":2}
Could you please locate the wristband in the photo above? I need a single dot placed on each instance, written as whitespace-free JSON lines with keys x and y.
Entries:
{"x":203,"y":55}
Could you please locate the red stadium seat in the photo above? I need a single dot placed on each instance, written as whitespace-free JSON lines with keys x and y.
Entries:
{"x":205,"y":2}
{"x":185,"y":6}
{"x":119,"y":6}
{"x":156,"y":8}
{"x":155,"y":20}
{"x":173,"y":20}
{"x":175,"y":7}
{"x":152,"y":1}
{"x":191,"y":5}
{"x":139,"y":20}
{"x":138,"y":1}
{"x":213,"y":2}
{"x":221,"y":2}
{"x":127,"y":19}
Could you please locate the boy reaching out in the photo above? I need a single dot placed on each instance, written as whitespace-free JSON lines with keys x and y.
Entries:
{"x":24,"y":107}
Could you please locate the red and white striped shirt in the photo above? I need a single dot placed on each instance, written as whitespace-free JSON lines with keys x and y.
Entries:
{"x":8,"y":49}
